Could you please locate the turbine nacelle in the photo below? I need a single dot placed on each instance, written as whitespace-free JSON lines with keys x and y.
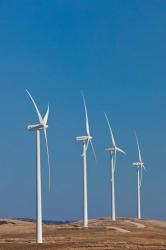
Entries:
{"x":115,"y":149}
{"x":37,"y":127}
{"x":138,"y":164}
{"x":112,"y":149}
{"x":84,"y":138}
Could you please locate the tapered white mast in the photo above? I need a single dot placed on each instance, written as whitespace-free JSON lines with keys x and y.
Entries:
{"x":38,"y":127}
{"x":113,"y":151}
{"x":85,"y":140}
{"x":113,"y":189}
{"x":138,"y":194}
{"x":38,"y":191}
{"x":85,"y":215}
{"x":139,"y":165}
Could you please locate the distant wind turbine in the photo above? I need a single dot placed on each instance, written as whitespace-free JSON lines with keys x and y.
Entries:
{"x":113,"y":150}
{"x":42,"y":125}
{"x":139,"y":165}
{"x":85,"y":140}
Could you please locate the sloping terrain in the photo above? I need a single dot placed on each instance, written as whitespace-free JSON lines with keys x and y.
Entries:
{"x":102,"y":233}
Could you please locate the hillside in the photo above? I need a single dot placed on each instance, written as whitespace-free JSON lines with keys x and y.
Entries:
{"x":102,"y":233}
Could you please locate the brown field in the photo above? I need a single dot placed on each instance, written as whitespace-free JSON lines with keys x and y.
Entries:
{"x":102,"y":234}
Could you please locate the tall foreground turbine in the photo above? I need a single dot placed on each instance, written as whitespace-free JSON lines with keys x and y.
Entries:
{"x":42,"y":125}
{"x":113,"y":151}
{"x":139,"y":165}
{"x":86,"y":139}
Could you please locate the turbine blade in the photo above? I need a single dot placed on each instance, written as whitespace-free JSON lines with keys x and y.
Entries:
{"x":120,"y":150}
{"x":112,"y":136}
{"x":140,"y":184}
{"x":45,"y":119}
{"x":110,"y":158}
{"x":144,"y":168}
{"x":93,"y":150}
{"x":114,"y":161}
{"x":87,"y":145}
{"x":48,"y":157}
{"x":139,"y":152}
{"x":37,"y":110}
{"x":86,"y":116}
{"x":83,"y":154}
{"x":86,"y":148}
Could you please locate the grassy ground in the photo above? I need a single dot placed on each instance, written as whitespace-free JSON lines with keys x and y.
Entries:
{"x":102,"y":234}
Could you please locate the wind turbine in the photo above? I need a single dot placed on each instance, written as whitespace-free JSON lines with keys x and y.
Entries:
{"x":42,"y":125}
{"x":86,"y":139}
{"x":113,"y":151}
{"x":139,"y":165}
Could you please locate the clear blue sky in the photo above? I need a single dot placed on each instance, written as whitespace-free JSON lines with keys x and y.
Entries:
{"x":115,"y":51}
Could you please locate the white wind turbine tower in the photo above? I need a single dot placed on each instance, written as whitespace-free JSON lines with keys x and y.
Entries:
{"x":42,"y":125}
{"x":86,"y":139}
{"x":139,"y":165}
{"x":113,"y":151}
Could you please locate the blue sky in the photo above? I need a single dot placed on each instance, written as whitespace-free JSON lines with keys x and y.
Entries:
{"x":115,"y":52}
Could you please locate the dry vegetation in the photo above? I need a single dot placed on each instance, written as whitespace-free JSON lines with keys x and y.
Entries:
{"x":101,"y":234}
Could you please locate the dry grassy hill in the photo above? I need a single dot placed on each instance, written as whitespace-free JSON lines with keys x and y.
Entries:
{"x":102,"y":233}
